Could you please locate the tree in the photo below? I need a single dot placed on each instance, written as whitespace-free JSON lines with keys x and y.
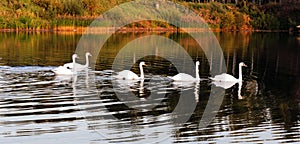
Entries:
{"x":90,"y":5}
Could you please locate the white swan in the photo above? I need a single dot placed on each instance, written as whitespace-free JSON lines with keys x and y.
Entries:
{"x":129,"y":75}
{"x":79,"y":66}
{"x":228,"y":77}
{"x":61,"y":70}
{"x":224,"y":84}
{"x":187,"y":77}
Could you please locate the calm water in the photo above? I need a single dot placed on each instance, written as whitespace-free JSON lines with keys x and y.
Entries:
{"x":38,"y":107}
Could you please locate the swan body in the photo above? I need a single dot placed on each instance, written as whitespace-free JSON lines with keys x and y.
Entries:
{"x":61,"y":70}
{"x":79,"y":66}
{"x":224,"y":77}
{"x":229,"y":78}
{"x":129,"y":75}
{"x":224,"y":84}
{"x":186,"y":77}
{"x":183,"y":77}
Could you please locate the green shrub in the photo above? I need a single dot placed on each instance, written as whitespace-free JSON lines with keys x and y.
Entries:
{"x":50,"y":13}
{"x":266,"y":22}
{"x":228,"y":20}
{"x":73,"y":7}
{"x":2,"y":22}
{"x":272,"y":22}
{"x":239,"y":20}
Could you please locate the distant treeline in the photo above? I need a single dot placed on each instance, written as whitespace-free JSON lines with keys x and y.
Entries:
{"x":219,"y":14}
{"x":258,"y":2}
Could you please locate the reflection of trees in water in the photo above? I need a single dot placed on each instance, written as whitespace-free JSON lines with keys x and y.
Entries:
{"x":297,"y":89}
{"x":274,"y":66}
{"x":271,"y":88}
{"x":39,"y":48}
{"x":279,"y":62}
{"x":165,"y":106}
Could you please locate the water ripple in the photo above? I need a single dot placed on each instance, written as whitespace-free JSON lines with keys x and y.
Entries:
{"x":35,"y":102}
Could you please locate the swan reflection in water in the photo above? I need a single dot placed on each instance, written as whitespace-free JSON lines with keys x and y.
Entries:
{"x":157,"y":84}
{"x":87,"y":78}
{"x":227,"y":85}
{"x":250,"y":86}
{"x":188,"y":85}
{"x":140,"y":87}
{"x":196,"y":91}
{"x":126,"y":85}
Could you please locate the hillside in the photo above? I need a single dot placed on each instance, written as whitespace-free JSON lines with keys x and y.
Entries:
{"x":50,"y":14}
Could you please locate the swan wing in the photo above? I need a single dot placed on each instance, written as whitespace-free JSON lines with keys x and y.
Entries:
{"x":224,"y":84}
{"x":80,"y":66}
{"x":224,"y":77}
{"x":62,"y":71}
{"x":183,"y":77}
{"x":60,"y":68}
{"x":128,"y":75}
{"x":182,"y":84}
{"x":68,"y":65}
{"x":71,"y":66}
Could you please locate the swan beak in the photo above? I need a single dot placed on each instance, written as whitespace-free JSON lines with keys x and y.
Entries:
{"x":245,"y":65}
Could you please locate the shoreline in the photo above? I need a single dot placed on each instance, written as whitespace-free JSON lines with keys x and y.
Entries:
{"x":104,"y":30}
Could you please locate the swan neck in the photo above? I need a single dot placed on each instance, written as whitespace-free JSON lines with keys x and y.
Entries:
{"x":197,"y":72}
{"x":74,"y":65}
{"x":240,"y":73}
{"x":239,"y":90}
{"x":142,"y":71}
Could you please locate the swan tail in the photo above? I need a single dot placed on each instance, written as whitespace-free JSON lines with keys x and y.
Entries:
{"x":211,"y":78}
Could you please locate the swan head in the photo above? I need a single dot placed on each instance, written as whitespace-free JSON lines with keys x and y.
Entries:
{"x":75,"y":56}
{"x":197,"y":63}
{"x":142,"y":63}
{"x":242,"y":64}
{"x":88,"y":54}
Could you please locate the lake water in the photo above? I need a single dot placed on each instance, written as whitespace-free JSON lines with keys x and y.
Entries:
{"x":91,"y":107}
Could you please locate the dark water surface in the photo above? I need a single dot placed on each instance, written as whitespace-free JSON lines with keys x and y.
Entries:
{"x":38,"y":107}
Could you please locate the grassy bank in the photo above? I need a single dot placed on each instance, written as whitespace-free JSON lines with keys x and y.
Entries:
{"x":77,"y":14}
